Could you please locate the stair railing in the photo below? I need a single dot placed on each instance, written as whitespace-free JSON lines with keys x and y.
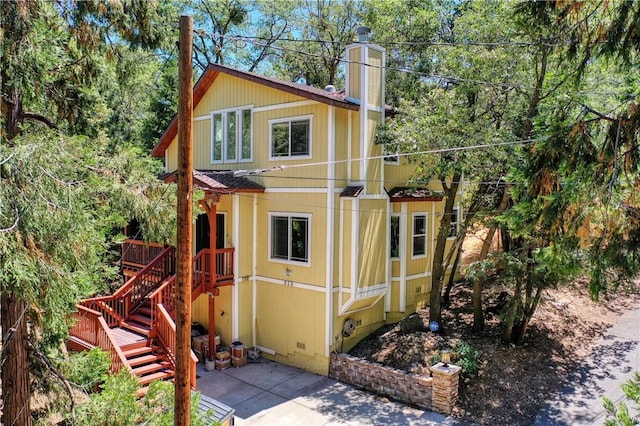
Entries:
{"x":119,"y":305}
{"x":166,"y":293}
{"x":136,"y":254}
{"x":91,"y":327}
{"x":167,"y":338}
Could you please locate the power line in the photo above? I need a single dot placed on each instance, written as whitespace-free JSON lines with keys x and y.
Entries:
{"x":403,"y":70}
{"x":376,"y":157}
{"x":396,"y":43}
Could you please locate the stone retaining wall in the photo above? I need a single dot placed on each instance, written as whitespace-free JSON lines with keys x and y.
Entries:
{"x":437,"y":393}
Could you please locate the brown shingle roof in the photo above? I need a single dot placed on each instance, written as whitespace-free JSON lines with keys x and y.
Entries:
{"x":219,"y":181}
{"x":351,"y":191}
{"x":408,"y":194}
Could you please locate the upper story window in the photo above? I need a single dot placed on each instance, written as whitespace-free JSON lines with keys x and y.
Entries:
{"x":419,"y":235}
{"x":289,"y":237}
{"x":291,"y":137}
{"x":232,"y":139}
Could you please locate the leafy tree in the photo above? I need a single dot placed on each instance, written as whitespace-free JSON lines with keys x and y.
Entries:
{"x":60,"y":195}
{"x":467,"y":110}
{"x":324,"y":28}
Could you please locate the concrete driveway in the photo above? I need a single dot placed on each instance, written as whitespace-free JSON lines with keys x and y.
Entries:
{"x":267,"y":393}
{"x":611,"y":363}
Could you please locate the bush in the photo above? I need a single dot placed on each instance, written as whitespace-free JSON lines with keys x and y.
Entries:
{"x":87,"y":369}
{"x":467,"y":358}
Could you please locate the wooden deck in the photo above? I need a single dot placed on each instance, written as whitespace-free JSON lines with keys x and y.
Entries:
{"x":125,"y":337}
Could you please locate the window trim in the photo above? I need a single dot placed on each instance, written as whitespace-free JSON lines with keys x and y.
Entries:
{"x":289,"y":215}
{"x":224,"y":114}
{"x":414,"y":215}
{"x":289,"y":120}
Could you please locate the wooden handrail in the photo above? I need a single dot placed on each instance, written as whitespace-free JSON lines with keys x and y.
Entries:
{"x":91,"y":327}
{"x":167,"y":337}
{"x":117,"y":306}
{"x":137,"y":253}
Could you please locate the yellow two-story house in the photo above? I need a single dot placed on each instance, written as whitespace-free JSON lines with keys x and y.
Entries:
{"x":328,"y":242}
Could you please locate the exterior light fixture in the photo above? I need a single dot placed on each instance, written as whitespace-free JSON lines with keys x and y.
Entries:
{"x":446,"y":357}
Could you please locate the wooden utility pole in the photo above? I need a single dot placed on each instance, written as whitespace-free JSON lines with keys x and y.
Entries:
{"x":185,"y":231}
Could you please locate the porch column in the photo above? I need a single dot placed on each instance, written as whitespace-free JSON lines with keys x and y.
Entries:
{"x":209,"y":205}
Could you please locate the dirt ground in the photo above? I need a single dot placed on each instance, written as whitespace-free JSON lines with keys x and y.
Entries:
{"x":513,"y":381}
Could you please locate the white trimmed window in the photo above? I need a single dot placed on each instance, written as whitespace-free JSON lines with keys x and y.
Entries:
{"x":232,"y":136}
{"x":290,"y":137}
{"x":289,"y":236}
{"x":419,"y":243}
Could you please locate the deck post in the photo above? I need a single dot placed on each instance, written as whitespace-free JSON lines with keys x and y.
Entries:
{"x":209,"y":205}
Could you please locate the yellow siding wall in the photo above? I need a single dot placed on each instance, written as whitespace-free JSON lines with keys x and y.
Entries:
{"x":200,"y":313}
{"x":231,"y":92}
{"x":303,"y":203}
{"x":348,"y":214}
{"x":291,"y":321}
{"x":354,"y":56}
{"x":369,"y":320}
{"x":373,"y":242}
{"x":375,"y":75}
{"x":375,"y":163}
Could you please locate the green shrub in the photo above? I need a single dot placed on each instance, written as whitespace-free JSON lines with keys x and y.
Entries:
{"x":468,"y":358}
{"x":87,"y":369}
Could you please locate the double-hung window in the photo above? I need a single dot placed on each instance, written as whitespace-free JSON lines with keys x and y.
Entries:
{"x":289,"y":237}
{"x":291,"y":137}
{"x":232,"y":139}
{"x":419,"y":235}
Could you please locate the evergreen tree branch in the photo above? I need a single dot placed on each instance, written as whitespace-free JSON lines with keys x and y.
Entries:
{"x":12,"y":227}
{"x":26,"y":115}
{"x":47,"y":363}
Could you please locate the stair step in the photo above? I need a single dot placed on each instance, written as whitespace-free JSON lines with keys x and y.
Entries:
{"x":144,"y":310}
{"x":142,"y":391}
{"x":160,"y":375}
{"x":134,"y":352}
{"x":138,"y":328}
{"x":150,"y":368}
{"x":141,"y":360}
{"x":141,"y":319}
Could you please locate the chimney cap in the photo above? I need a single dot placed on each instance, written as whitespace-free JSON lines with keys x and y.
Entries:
{"x":363,"y":34}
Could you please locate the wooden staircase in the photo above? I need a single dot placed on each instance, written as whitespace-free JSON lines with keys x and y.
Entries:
{"x":140,"y":320}
{"x":135,"y":325}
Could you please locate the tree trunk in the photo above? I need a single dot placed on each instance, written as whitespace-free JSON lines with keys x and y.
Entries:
{"x":15,"y":361}
{"x":452,"y":277}
{"x":437,"y":271}
{"x":512,"y":312}
{"x":478,"y":315}
{"x":502,"y":206}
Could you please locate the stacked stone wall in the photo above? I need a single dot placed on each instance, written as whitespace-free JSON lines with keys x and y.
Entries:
{"x":437,"y":393}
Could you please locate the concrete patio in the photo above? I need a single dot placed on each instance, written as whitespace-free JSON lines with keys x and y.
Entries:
{"x":267,"y":393}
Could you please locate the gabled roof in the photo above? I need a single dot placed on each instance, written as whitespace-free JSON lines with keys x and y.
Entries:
{"x":220,"y":181}
{"x":213,"y":70}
